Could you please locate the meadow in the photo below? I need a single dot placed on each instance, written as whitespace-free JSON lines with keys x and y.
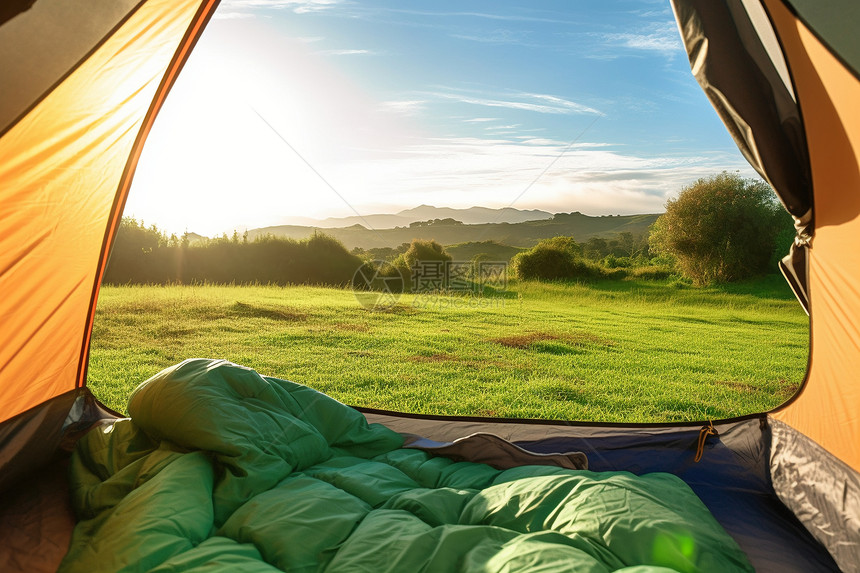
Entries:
{"x":617,"y":351}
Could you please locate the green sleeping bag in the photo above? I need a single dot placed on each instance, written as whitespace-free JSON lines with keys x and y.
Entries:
{"x":221,"y":469}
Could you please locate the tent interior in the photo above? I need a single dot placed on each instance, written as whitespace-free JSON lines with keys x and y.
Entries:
{"x":78,"y":104}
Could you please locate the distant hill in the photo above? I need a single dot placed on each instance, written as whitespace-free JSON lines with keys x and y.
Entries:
{"x":470,"y":216}
{"x":524,"y":234}
{"x":475,"y":215}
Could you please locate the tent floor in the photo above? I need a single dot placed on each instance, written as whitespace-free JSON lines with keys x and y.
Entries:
{"x":36,"y":522}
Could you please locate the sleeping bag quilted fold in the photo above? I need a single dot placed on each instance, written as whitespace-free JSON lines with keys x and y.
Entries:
{"x":221,"y":469}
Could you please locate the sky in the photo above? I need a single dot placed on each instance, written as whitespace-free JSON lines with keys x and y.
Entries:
{"x":292,"y":109}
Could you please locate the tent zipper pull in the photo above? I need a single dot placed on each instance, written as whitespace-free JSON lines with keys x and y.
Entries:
{"x":707,"y":430}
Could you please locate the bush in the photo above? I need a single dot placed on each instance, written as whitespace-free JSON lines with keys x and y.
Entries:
{"x":411,"y":264}
{"x":327,"y":261}
{"x":562,"y":243}
{"x":613,"y":262}
{"x":613,"y":274}
{"x":420,"y":250}
{"x":553,"y":259}
{"x":720,"y":229}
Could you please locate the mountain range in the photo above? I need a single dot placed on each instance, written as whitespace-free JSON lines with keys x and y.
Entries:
{"x":524,"y":233}
{"x":470,"y":216}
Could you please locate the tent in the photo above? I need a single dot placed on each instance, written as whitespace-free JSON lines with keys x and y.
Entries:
{"x":82,"y":85}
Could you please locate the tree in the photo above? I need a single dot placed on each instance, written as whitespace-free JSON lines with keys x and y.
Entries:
{"x":721,"y":228}
{"x":595,"y":248}
{"x":420,"y":250}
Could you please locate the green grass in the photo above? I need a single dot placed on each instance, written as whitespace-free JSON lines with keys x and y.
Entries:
{"x":620,"y":351}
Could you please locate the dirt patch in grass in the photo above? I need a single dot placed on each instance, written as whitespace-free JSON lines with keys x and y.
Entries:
{"x":253,"y":311}
{"x":394,"y":309}
{"x":788,"y":389}
{"x":525,"y":341}
{"x":362,"y":353}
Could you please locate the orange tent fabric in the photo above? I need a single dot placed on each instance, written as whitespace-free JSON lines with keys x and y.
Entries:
{"x":828,"y":407}
{"x":60,"y":203}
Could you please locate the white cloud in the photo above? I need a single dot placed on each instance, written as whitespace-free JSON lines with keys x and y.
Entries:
{"x":562,"y":103}
{"x":540,"y":103}
{"x":499,"y":36}
{"x":663,"y":38}
{"x":347,"y":52}
{"x":482,"y":15}
{"x":654,"y":42}
{"x":404,"y":107}
{"x":297,"y":6}
{"x":528,"y":140}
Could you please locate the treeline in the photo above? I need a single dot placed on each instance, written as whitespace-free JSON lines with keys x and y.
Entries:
{"x":625,"y":250}
{"x":435,"y":223}
{"x":380,"y":253}
{"x":621,"y":251}
{"x":146,"y":255}
{"x":723,"y":228}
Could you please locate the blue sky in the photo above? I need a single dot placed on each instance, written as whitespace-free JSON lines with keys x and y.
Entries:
{"x":316,"y":108}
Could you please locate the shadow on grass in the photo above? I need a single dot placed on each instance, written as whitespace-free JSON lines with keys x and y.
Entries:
{"x":556,"y":348}
{"x":552,"y":343}
{"x":692,"y":319}
{"x":772,"y":286}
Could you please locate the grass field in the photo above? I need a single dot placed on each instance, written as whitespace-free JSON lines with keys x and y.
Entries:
{"x":621,"y":351}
